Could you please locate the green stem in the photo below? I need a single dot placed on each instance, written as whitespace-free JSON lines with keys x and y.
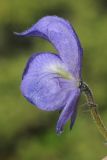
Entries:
{"x":94,"y":111}
{"x":99,"y":122}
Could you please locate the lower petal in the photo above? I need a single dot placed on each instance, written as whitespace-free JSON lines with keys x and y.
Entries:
{"x":69,"y":110}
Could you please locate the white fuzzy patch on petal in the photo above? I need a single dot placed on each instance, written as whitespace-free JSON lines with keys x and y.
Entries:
{"x":59,"y":69}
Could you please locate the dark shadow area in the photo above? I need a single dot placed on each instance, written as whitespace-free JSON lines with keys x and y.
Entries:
{"x":102,"y":6}
{"x":9,"y":42}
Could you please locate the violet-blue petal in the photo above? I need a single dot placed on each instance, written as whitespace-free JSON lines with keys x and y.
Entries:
{"x":62,"y":35}
{"x":41,"y":84}
{"x":69,"y":110}
{"x":73,"y":118}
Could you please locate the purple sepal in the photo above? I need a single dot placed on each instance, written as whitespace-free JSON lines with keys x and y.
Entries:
{"x":62,"y":35}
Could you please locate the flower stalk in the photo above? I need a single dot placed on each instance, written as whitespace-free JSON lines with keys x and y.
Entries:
{"x":93,"y":109}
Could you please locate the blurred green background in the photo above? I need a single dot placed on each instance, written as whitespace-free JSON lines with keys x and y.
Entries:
{"x":27,"y":133}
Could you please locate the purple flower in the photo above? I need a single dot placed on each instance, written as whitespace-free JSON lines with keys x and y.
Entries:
{"x":52,"y":81}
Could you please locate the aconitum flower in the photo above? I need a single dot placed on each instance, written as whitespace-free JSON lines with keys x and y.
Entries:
{"x":53,"y":81}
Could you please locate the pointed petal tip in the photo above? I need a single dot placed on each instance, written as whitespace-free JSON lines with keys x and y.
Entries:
{"x":16,"y":33}
{"x":59,"y":131}
{"x":19,"y":34}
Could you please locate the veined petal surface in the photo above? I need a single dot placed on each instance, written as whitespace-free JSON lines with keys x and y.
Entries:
{"x":44,"y":84}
